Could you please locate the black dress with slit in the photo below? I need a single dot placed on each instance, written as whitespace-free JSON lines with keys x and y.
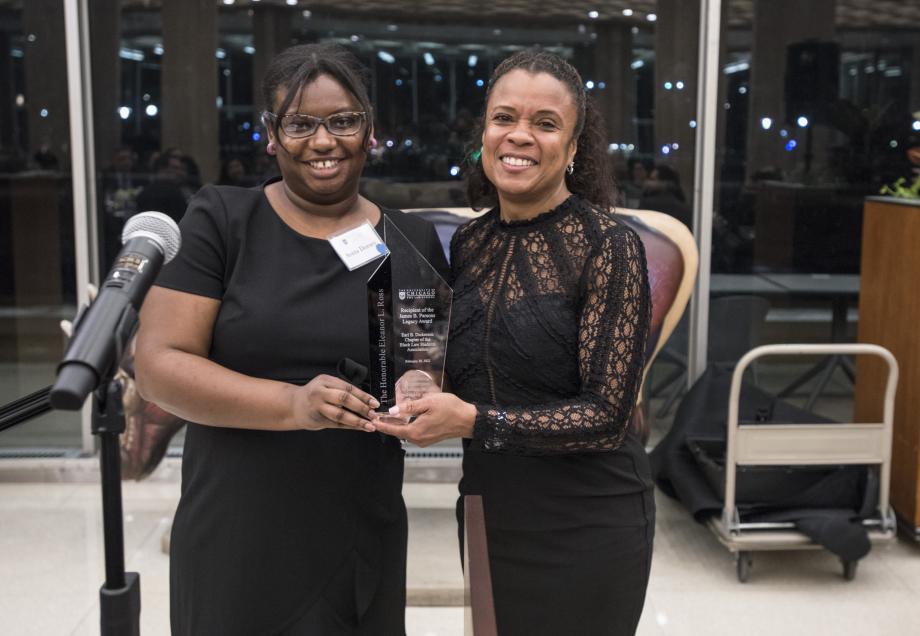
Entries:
{"x":284,"y":533}
{"x":548,"y":331}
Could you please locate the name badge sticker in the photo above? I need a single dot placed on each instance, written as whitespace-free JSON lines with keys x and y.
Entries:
{"x":358,"y":246}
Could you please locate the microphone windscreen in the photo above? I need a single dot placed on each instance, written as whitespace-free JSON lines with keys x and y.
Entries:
{"x":156,"y":226}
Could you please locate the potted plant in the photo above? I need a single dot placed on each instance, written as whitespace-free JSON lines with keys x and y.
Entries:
{"x":901,"y":190}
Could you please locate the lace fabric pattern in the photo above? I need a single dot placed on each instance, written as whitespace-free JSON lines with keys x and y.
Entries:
{"x":550,"y":321}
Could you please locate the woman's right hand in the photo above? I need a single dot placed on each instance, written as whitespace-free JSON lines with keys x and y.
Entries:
{"x":329,"y":402}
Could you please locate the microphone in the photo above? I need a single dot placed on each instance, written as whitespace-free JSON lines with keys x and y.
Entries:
{"x":103,"y":330}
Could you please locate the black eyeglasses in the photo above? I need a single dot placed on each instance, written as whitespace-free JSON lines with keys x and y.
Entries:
{"x":298,"y":126}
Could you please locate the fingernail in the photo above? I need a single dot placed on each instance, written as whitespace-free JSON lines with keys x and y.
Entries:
{"x":394,"y":410}
{"x":374,"y":403}
{"x":370,"y":428}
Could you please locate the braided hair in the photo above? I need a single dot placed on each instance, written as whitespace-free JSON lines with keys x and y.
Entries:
{"x":592,"y":178}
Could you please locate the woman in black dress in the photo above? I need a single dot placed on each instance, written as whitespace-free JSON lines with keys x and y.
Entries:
{"x":550,"y":318}
{"x":291,"y":521}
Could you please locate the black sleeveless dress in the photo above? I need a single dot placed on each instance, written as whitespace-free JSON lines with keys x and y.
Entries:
{"x":549,"y":325}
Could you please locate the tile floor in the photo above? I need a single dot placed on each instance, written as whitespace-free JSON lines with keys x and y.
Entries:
{"x":51,"y":560}
{"x":51,"y":566}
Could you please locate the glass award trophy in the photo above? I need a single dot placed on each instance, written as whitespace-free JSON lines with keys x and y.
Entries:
{"x":408,"y":305}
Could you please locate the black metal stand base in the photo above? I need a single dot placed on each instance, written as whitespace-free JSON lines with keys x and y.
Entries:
{"x":120,"y":608}
{"x":120,"y":596}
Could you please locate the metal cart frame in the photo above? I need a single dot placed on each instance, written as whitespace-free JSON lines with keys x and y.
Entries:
{"x":803,"y":444}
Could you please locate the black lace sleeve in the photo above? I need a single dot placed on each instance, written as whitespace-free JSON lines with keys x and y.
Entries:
{"x":613,"y":326}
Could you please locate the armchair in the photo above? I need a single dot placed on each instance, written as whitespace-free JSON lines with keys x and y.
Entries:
{"x":672,"y":259}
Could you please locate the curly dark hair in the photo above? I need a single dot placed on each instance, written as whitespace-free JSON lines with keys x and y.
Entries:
{"x":295,"y":67}
{"x":592,"y":179}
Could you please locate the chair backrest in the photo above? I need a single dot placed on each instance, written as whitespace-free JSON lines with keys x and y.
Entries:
{"x":446,"y":222}
{"x":672,"y":259}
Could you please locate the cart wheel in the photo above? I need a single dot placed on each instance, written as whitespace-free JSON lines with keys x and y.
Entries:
{"x":743,"y":562}
{"x":849,"y":569}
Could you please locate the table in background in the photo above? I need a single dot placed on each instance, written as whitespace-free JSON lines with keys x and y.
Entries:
{"x":840,"y":289}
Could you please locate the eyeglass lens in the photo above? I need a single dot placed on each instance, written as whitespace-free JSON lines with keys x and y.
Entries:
{"x":297,"y":125}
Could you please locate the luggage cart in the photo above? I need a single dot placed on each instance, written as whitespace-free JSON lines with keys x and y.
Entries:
{"x":802,"y":445}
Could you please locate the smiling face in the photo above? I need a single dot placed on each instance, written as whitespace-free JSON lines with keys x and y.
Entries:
{"x":322,"y":168}
{"x":528,"y":140}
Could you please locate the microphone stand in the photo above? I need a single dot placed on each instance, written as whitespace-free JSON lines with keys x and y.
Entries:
{"x":101,"y":333}
{"x":25,"y":408}
{"x":120,"y":595}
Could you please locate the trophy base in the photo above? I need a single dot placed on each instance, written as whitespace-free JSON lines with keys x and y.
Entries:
{"x":398,"y":420}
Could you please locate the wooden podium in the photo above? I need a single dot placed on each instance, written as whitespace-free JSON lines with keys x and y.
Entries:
{"x":889,"y":315}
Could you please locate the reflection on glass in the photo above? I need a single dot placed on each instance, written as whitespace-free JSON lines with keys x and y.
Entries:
{"x":427,"y":78}
{"x":817,"y":114}
{"x":36,"y":219}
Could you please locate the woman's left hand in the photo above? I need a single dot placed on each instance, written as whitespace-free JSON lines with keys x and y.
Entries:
{"x":438,"y":416}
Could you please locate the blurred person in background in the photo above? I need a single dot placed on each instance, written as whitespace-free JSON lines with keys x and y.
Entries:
{"x":233,"y":172}
{"x":164,"y":193}
{"x":662,"y":192}
{"x":637,"y":171}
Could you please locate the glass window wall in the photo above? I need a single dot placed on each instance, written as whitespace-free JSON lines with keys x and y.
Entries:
{"x":157,"y":142}
{"x":37,"y":272}
{"x":820,"y":102}
{"x":176,"y":98}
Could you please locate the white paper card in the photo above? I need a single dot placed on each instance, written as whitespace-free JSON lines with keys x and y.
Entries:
{"x":358,"y":246}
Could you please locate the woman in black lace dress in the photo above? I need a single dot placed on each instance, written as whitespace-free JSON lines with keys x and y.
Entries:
{"x":550,"y":317}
